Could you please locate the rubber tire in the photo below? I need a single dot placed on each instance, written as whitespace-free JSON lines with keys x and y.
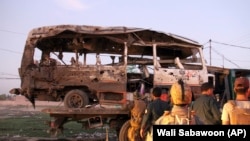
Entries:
{"x":123,"y":133}
{"x":76,"y":99}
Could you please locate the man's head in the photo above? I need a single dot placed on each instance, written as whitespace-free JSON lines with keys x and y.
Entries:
{"x":181,"y":93}
{"x":241,"y":85}
{"x":156,"y":92}
{"x":207,"y":88}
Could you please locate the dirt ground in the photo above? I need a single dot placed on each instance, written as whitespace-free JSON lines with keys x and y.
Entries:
{"x":20,"y":106}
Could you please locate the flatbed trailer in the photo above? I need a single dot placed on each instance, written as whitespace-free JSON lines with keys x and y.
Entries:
{"x":80,"y":113}
{"x":89,"y":117}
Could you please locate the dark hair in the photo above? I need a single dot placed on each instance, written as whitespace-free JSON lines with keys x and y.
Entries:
{"x":241,"y":91}
{"x":182,"y":89}
{"x":157,"y":92}
{"x":207,"y":85}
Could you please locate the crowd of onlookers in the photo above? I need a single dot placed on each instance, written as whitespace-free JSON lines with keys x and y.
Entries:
{"x":204,"y":110}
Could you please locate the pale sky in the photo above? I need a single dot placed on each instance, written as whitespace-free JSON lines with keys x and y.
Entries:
{"x":225,"y":22}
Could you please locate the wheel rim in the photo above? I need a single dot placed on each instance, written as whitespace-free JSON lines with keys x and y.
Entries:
{"x":76,"y":100}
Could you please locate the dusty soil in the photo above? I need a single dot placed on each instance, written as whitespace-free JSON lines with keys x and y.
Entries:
{"x":20,"y":106}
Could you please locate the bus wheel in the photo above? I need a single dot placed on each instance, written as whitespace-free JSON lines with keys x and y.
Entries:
{"x":76,"y":99}
{"x":123,"y":133}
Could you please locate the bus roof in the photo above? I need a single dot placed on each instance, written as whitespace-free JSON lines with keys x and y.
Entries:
{"x":87,"y":39}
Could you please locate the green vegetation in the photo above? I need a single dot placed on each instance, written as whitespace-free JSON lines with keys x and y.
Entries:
{"x":3,"y":97}
{"x":35,"y":126}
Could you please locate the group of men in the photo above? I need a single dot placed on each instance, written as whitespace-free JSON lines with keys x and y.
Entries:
{"x":183,"y":109}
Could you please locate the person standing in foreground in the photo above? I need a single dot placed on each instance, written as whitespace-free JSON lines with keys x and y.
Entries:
{"x":205,"y":106}
{"x":137,"y":113}
{"x":153,"y":111}
{"x":180,"y":114}
{"x":233,"y":107}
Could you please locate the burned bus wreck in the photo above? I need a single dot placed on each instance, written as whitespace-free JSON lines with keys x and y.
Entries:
{"x":99,"y":71}
{"x":83,"y":64}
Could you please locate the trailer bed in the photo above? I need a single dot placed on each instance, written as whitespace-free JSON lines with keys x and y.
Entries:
{"x":81,"y":113}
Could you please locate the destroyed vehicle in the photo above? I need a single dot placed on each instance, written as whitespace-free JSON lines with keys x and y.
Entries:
{"x":82,"y":64}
